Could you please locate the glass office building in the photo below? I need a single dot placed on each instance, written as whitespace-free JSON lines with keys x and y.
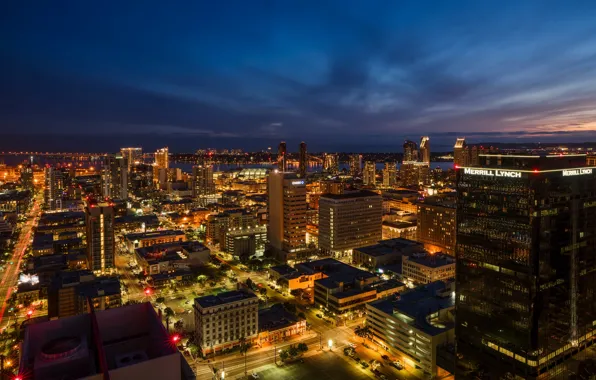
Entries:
{"x":526,"y":265}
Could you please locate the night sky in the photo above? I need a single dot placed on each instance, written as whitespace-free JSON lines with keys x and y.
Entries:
{"x":341,"y":75}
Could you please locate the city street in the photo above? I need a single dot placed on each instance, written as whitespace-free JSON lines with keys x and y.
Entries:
{"x":11,"y":274}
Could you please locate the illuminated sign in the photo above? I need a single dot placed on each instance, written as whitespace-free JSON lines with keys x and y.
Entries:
{"x":297,"y":182}
{"x":572,"y":172}
{"x":493,"y":173}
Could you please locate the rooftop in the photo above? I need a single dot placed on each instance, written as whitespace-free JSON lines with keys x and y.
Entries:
{"x":392,"y":246}
{"x":419,"y":303}
{"x":283,"y":269}
{"x":153,"y":234}
{"x":275,"y":317}
{"x":224,"y":298}
{"x":88,"y":345}
{"x":350,"y":195}
{"x":399,"y":224}
{"x":431,"y":260}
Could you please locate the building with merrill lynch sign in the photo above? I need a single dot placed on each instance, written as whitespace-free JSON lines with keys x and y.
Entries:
{"x":525,"y":265}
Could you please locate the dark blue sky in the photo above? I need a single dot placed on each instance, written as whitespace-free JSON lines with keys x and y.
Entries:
{"x":342,"y":75}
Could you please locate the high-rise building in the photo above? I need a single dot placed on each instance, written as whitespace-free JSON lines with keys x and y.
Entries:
{"x":425,"y":149}
{"x":133,"y":156}
{"x":224,"y":320}
{"x":410,"y":151}
{"x":460,"y":152}
{"x":54,"y":185}
{"x":303,"y":160}
{"x":349,"y":220}
{"x":27,"y":177}
{"x":287,"y":212}
{"x":202,"y":180}
{"x":370,"y":173}
{"x":436,"y":224}
{"x":141,"y":177}
{"x":414,"y":173}
{"x":355,"y":164}
{"x":162,"y":158}
{"x":526,"y":264}
{"x":114,"y":177}
{"x":389,"y":174}
{"x":282,"y":157}
{"x":331,"y":163}
{"x":99,"y":221}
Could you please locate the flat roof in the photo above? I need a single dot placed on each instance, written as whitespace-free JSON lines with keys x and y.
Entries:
{"x":400,"y":224}
{"x":283,"y":269}
{"x":350,"y":195}
{"x":418,"y":304}
{"x":276,"y":317}
{"x":153,"y":234}
{"x":432,"y":260}
{"x":224,"y":298}
{"x":390,"y":246}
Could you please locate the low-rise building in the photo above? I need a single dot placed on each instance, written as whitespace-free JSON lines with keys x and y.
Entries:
{"x":299,"y":277}
{"x":386,"y":252}
{"x":412,"y":327}
{"x":277,"y":324}
{"x":136,"y":223}
{"x":123,"y":343}
{"x":145,"y":239}
{"x":246,"y":243}
{"x":222,"y":321}
{"x":166,"y":257}
{"x":424,"y":268}
{"x":399,"y":229}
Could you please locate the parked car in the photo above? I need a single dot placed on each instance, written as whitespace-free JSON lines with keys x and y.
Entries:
{"x":385,"y":357}
{"x":398,"y":365}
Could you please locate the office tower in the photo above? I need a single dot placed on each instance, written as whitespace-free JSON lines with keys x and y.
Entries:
{"x":331,"y":163}
{"x":389,"y":174}
{"x":425,"y":149}
{"x":114,"y":177}
{"x":410,"y":151}
{"x":287,"y":212}
{"x":162,"y":158}
{"x":436,"y":224}
{"x":355,"y":164}
{"x":224,"y":320}
{"x":370,"y":173}
{"x":202,"y":180}
{"x":54,"y":185}
{"x":303,"y":160}
{"x":282,"y":159}
{"x":525,"y":264}
{"x":133,"y":156}
{"x":414,"y":173}
{"x":460,"y":152}
{"x":349,"y":220}
{"x":99,"y":221}
{"x":27,"y":177}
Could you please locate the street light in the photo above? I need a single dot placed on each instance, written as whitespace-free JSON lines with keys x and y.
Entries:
{"x":330,"y":344}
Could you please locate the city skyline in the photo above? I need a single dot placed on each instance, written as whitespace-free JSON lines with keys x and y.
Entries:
{"x":335,"y":75}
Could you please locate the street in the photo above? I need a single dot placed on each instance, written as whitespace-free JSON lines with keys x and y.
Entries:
{"x":11,"y":274}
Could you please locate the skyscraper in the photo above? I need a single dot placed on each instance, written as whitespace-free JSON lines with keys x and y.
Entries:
{"x":410,"y":151}
{"x":425,"y":149}
{"x":162,"y":158}
{"x":303,"y":160}
{"x":282,"y":159}
{"x":287,"y":211}
{"x":114,"y":177}
{"x":54,"y":185}
{"x":370,"y":173}
{"x":27,"y":177}
{"x":331,"y":163}
{"x":349,"y":220}
{"x":526,"y":264}
{"x":389,"y":174}
{"x":355,"y":164}
{"x":99,"y":221}
{"x":132,"y":156}
{"x":202,"y":180}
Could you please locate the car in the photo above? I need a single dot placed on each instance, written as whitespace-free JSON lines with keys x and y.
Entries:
{"x":385,"y":357}
{"x":255,"y":375}
{"x":352,"y":345}
{"x":319,"y":316}
{"x":382,"y":377}
{"x":398,"y":365}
